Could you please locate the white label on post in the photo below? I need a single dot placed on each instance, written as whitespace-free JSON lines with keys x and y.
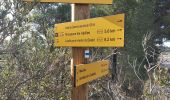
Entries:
{"x":87,"y":54}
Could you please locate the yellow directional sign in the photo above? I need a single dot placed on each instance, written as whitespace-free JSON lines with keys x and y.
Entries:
{"x":96,"y":32}
{"x":88,"y":72}
{"x":76,"y":1}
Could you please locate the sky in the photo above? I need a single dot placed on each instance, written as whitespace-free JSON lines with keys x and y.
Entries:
{"x":167,"y":44}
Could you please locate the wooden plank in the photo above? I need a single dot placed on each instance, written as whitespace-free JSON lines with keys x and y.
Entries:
{"x":74,"y":1}
{"x":96,"y":32}
{"x":88,"y":72}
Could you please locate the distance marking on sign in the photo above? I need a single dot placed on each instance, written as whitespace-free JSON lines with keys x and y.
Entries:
{"x":96,"y":32}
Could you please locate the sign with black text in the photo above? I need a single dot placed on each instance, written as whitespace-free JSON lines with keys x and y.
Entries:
{"x":88,"y":72}
{"x":96,"y":32}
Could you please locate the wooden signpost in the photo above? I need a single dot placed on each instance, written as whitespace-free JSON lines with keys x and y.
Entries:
{"x":97,"y":32}
{"x":75,"y":1}
{"x":87,"y":72}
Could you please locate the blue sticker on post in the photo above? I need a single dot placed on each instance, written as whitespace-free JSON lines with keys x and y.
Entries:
{"x":87,"y":54}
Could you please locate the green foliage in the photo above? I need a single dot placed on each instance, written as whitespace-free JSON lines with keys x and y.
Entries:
{"x":101,"y":10}
{"x":31,"y":70}
{"x":162,"y":18}
{"x":34,"y":69}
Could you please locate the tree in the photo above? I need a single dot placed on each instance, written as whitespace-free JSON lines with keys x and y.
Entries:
{"x":31,"y":69}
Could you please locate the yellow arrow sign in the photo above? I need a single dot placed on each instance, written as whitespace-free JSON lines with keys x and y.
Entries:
{"x":96,"y":32}
{"x":88,"y":72}
{"x":75,"y":1}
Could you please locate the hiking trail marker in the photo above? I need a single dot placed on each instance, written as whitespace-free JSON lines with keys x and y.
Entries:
{"x":74,"y":1}
{"x":96,"y":32}
{"x":87,"y":72}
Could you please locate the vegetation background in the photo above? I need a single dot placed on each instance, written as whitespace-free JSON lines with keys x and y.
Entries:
{"x":31,"y":68}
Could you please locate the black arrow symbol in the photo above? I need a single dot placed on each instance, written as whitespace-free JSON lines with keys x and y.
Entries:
{"x":119,"y":38}
{"x":119,"y":20}
{"x":119,"y":29}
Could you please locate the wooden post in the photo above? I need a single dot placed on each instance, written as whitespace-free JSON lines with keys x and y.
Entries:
{"x":79,"y":11}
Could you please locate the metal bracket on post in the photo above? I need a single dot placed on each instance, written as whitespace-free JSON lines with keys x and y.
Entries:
{"x":114,"y":66}
{"x":75,"y":80}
